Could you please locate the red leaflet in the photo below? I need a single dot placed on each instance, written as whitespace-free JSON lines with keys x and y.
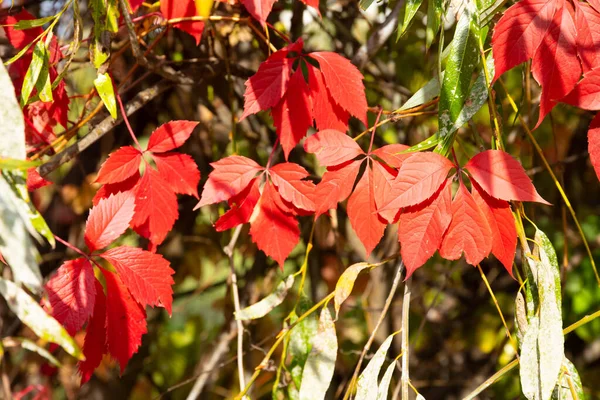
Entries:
{"x":332,"y":147}
{"x":502,"y":177}
{"x":586,"y":94}
{"x":519,"y":32}
{"x":422,"y":227}
{"x":242,"y":206}
{"x":120,"y":165}
{"x":468,"y":232}
{"x":274,"y":231}
{"x":336,"y":186}
{"x":231,"y":175}
{"x":71,"y":293}
{"x":290,"y":183}
{"x":259,"y":9}
{"x":109,"y":220}
{"x":383,"y":181}
{"x":362,"y":213}
{"x":594,"y":144}
{"x":128,"y":184}
{"x":555,"y":65}
{"x":502,"y":225}
{"x":392,"y":154}
{"x":587,"y":21}
{"x":180,"y":171}
{"x":344,"y":82}
{"x":327,"y":114}
{"x":125,"y":320}
{"x":156,"y":205}
{"x":35,"y":180}
{"x":180,"y":9}
{"x":419,"y":177}
{"x":147,"y":275}
{"x":19,"y":38}
{"x":171,"y":135}
{"x":94,"y":346}
{"x":292,"y":116}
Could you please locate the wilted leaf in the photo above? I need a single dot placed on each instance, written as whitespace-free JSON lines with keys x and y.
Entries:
{"x":367,"y":381}
{"x":345,"y":284}
{"x":263,"y":307}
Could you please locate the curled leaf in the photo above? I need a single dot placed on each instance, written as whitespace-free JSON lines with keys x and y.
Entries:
{"x":263,"y":307}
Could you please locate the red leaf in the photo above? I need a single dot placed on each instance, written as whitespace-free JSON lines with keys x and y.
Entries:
{"x":327,"y":114}
{"x":362,"y":213}
{"x":383,"y":181}
{"x":35,"y":180}
{"x":519,"y":33}
{"x":135,"y":4}
{"x":274,"y":231}
{"x":259,"y":9}
{"x":344,"y":82}
{"x":147,"y":275}
{"x":555,"y":65}
{"x":468,"y":231}
{"x":242,"y":205}
{"x":332,"y":147}
{"x":156,"y":203}
{"x":94,"y":346}
{"x":586,"y":94}
{"x":266,"y":88}
{"x":587,"y":21}
{"x":502,"y":177}
{"x":230,"y":176}
{"x":180,"y":171}
{"x":290,"y":183}
{"x":180,"y":9}
{"x":594,"y":144}
{"x":71,"y":293}
{"x":292,"y":116}
{"x":418,"y":179}
{"x":336,"y":186}
{"x":502,"y":225}
{"x":109,"y":220}
{"x":19,"y":38}
{"x":170,"y":135}
{"x":422,"y":228}
{"x":392,"y":154}
{"x":125,"y":320}
{"x":120,"y":165}
{"x":128,"y":185}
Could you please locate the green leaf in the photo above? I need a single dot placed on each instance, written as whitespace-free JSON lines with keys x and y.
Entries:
{"x":32,"y":23}
{"x":345,"y":284}
{"x":384,"y":385}
{"x":31,"y":346}
{"x":364,"y":4}
{"x":43,"y":83}
{"x":40,"y":56}
{"x":15,"y":164}
{"x":434,"y":19}
{"x":300,"y":344}
{"x":410,"y":10}
{"x":569,"y":387}
{"x":367,"y":381}
{"x":105,"y":89}
{"x":542,"y":350}
{"x":32,"y":315}
{"x":263,"y":307}
{"x":320,"y":363}
{"x":427,"y":93}
{"x":464,"y":57}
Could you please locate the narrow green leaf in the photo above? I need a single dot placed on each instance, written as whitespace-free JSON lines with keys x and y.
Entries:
{"x":15,"y":164}
{"x":345,"y":284}
{"x":434,"y":20}
{"x":463,"y":59}
{"x":367,"y":381}
{"x":31,"y":346}
{"x":542,"y":351}
{"x":32,"y":23}
{"x":384,"y":385}
{"x":34,"y":71}
{"x":320,"y":363}
{"x":300,"y":344}
{"x":105,"y":89}
{"x":410,"y":10}
{"x":427,"y":93}
{"x":263,"y":307}
{"x":32,"y":315}
{"x":569,"y":387}
{"x":44,"y":83}
{"x":20,"y":53}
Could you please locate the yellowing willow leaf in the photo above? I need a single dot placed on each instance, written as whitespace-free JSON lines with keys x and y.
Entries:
{"x":345,"y":284}
{"x":263,"y":307}
{"x":300,"y":344}
{"x":542,"y":350}
{"x":105,"y":89}
{"x":367,"y":381}
{"x":320,"y":363}
{"x":39,"y":58}
{"x":32,"y":315}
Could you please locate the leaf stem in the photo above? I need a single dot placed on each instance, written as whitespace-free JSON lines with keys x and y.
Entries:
{"x":374,"y":129}
{"x":126,"y":120}
{"x":405,"y":379}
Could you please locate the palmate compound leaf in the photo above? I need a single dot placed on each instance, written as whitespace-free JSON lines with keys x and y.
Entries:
{"x":147,"y":275}
{"x":469,"y":232}
{"x":72,"y":294}
{"x":180,"y":9}
{"x":94,"y":345}
{"x":502,"y":177}
{"x":109,"y":220}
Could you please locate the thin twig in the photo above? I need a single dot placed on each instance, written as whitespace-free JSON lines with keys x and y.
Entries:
{"x":386,"y":306}
{"x":405,"y":310}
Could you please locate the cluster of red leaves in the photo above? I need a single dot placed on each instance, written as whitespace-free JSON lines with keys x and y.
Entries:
{"x":563,"y":41}
{"x":155,"y":190}
{"x":333,"y":92}
{"x":116,"y":320}
{"x":40,"y":117}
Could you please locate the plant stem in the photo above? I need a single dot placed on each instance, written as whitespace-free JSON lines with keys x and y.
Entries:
{"x":405,"y":346}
